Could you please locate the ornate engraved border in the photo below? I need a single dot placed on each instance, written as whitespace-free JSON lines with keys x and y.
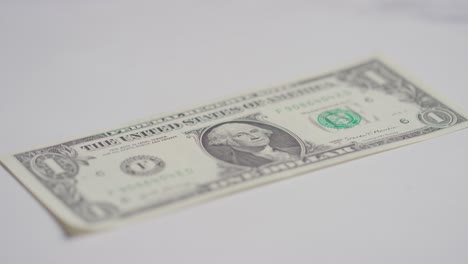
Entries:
{"x":376,"y":76}
{"x":64,"y":188}
{"x":370,"y":75}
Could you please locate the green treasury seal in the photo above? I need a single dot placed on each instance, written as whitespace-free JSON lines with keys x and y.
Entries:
{"x":339,"y":118}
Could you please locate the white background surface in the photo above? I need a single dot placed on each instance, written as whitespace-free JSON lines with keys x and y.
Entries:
{"x":68,"y":69}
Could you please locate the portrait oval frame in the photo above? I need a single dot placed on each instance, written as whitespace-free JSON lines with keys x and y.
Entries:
{"x":262,"y":124}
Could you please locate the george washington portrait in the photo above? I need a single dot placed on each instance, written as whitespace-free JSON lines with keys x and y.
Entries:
{"x":250,"y":143}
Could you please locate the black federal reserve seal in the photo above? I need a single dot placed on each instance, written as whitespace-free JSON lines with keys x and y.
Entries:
{"x":142,"y":165}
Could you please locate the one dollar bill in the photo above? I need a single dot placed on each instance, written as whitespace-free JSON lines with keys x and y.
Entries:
{"x":174,"y":160}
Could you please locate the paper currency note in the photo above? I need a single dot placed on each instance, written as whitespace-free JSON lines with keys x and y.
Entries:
{"x":170,"y":161}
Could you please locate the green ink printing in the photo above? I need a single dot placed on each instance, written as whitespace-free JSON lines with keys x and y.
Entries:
{"x":339,"y":119}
